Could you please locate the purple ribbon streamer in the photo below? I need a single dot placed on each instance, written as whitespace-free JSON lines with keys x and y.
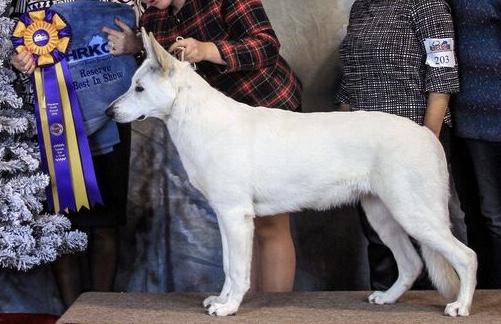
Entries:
{"x":16,"y":41}
{"x":65,"y":32}
{"x":49,"y":15}
{"x":41,"y":145}
{"x":35,"y":58}
{"x":58,"y":56}
{"x":58,"y":142}
{"x":85,"y":155}
{"x":26,"y":19}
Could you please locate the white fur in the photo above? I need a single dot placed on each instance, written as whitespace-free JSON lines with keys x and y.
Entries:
{"x":254,"y":161}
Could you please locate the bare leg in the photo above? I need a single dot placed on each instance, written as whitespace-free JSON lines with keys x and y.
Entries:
{"x":277,"y":256}
{"x":255,"y":265}
{"x":67,"y":272}
{"x":104,"y":258}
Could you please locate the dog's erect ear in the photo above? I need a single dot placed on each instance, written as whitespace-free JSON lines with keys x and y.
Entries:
{"x":164,"y":59}
{"x":147,"y":43}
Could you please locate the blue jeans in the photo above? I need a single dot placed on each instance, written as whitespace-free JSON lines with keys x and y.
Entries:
{"x":486,"y":232}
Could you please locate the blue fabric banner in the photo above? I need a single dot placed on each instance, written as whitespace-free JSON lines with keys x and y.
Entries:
{"x":98,"y":77}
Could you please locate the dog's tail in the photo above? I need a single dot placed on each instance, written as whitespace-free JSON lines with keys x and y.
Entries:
{"x":442,"y":274}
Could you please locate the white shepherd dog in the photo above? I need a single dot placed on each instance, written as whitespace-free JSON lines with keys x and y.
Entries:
{"x":251,"y":162}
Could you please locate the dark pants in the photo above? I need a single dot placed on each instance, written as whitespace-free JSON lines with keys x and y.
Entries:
{"x":112,"y":173}
{"x":382,"y":265}
{"x":485,"y":228}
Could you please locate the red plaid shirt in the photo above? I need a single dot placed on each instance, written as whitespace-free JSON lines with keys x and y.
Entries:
{"x":255,"y":72}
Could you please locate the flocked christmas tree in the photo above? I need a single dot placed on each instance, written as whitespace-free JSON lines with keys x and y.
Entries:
{"x":27,"y":238}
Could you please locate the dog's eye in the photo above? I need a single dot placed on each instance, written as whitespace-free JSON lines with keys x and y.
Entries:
{"x":139,"y":89}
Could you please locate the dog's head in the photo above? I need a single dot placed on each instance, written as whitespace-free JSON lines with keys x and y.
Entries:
{"x":152,"y":91}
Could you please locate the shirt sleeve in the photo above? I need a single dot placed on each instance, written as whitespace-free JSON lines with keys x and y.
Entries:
{"x":253,"y":43}
{"x":342,"y":93}
{"x":433,"y":19}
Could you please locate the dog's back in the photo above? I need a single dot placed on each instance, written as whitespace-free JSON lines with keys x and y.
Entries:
{"x":289,"y":161}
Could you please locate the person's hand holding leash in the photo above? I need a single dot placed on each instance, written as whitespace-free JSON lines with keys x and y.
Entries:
{"x":122,"y":42}
{"x":23,"y":62}
{"x":196,"y":51}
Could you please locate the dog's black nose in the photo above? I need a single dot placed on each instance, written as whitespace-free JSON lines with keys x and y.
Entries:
{"x":110,"y":111}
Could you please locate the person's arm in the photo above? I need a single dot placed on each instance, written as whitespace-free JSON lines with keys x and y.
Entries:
{"x":344,"y":107}
{"x":437,"y":104}
{"x":253,"y":43}
{"x":433,"y":24}
{"x":342,"y":97}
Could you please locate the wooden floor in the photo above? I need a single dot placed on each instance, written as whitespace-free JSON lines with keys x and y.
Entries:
{"x":297,"y":307}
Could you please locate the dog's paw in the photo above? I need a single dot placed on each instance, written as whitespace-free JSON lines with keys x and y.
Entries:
{"x":381,"y":298}
{"x":211,"y":300}
{"x":223,"y":309}
{"x":456,"y":309}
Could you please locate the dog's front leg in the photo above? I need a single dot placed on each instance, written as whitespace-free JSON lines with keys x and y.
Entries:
{"x":223,"y":296}
{"x":239,"y":230}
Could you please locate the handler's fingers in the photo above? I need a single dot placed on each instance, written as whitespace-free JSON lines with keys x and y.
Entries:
{"x":15,"y":63}
{"x":179,"y":43}
{"x":17,"y":60}
{"x":21,"y":58}
{"x":26,"y":59}
{"x":26,"y":66}
{"x":31,"y":69}
{"x":115,"y":40}
{"x":123,"y":26}
{"x":191,"y":60}
{"x":117,"y":50}
{"x":190,"y":54}
{"x":111,"y":31}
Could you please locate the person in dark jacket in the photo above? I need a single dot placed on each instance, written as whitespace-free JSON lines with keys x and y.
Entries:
{"x":398,"y":57}
{"x":477,"y":120}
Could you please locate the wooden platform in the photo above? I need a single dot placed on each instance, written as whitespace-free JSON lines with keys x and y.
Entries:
{"x":297,"y":307}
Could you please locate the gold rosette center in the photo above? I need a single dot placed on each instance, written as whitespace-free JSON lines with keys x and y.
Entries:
{"x":41,"y":37}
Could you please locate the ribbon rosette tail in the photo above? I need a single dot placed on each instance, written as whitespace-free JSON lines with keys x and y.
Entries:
{"x":64,"y":149}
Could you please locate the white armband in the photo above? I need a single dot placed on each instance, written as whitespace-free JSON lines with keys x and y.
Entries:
{"x":440,"y":52}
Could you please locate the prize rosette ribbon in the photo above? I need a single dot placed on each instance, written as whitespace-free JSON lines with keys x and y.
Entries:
{"x":64,"y":148}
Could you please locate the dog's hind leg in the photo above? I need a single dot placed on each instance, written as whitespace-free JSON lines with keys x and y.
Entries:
{"x":444,"y":255}
{"x":464,"y":261}
{"x":440,"y":246}
{"x":238,"y":228}
{"x":223,"y":296}
{"x":391,"y":233}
